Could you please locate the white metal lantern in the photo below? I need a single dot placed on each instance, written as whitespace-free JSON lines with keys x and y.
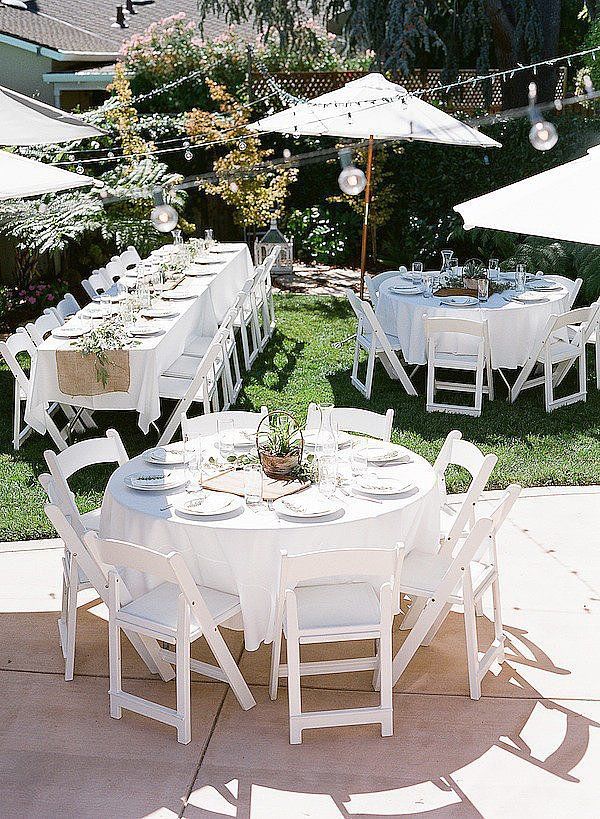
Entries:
{"x":275,"y":238}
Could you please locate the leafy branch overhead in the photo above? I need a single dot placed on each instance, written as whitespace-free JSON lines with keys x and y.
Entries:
{"x":254,"y":191}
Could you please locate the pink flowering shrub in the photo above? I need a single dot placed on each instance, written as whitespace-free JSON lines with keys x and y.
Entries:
{"x":38,"y":294}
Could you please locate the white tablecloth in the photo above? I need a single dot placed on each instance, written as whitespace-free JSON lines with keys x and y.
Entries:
{"x":241,"y":554}
{"x":514,"y":328}
{"x":200,"y":316}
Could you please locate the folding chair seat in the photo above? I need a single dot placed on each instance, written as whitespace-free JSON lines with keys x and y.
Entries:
{"x":562,"y":345}
{"x":336,"y":595}
{"x":478,"y":363}
{"x":351,"y":419}
{"x":178,"y":611}
{"x":371,"y":338}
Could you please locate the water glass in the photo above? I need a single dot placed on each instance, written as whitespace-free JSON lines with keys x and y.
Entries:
{"x":358,"y":462}
{"x":417,"y":270}
{"x":177,"y":237}
{"x":253,"y":484}
{"x":493,"y":268}
{"x":454,"y":265}
{"x":327,"y":475}
{"x":520,"y":277}
{"x":427,"y":285}
{"x":483,"y":286}
{"x":225,"y":435}
{"x":196,"y":463}
{"x":209,"y":239}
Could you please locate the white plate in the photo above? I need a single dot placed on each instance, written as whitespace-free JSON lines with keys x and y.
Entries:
{"x":242,"y":438}
{"x":170,"y":454}
{"x":224,"y":247}
{"x":208,"y":504}
{"x":170,"y":480}
{"x":413,"y":290}
{"x":68,"y":332}
{"x":311,"y":435}
{"x":159,"y":312}
{"x":528,"y":298}
{"x":412,"y":277}
{"x":97,"y":310}
{"x":137,"y":331}
{"x":385,"y":454}
{"x":543,"y":285}
{"x":202,"y":270}
{"x":459,"y":301}
{"x":375,"y":485}
{"x":173,"y":295}
{"x":164,"y":250}
{"x":306,"y":508}
{"x":204,"y":260}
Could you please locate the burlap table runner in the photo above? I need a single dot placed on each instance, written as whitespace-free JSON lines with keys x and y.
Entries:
{"x":78,"y":374}
{"x":455,"y":291}
{"x":233,"y":482}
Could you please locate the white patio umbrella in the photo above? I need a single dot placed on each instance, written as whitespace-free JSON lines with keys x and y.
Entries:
{"x":558,"y":204}
{"x":21,"y":177}
{"x":25,"y":121}
{"x":373,"y":108}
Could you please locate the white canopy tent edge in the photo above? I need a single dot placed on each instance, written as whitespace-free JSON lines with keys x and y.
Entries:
{"x":21,"y":177}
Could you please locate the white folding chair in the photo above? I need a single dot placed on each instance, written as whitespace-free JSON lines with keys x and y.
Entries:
{"x":479,"y":362}
{"x":446,"y":581}
{"x":374,"y":283}
{"x":41,"y":328}
{"x":201,"y":388}
{"x":359,"y":605}
{"x":63,"y":465}
{"x":204,"y":425}
{"x":371,"y":337}
{"x":15,"y":345}
{"x":98,"y":282}
{"x":176,"y":611}
{"x":593,"y":339}
{"x":65,"y":308}
{"x":266,"y":297}
{"x":457,"y":517}
{"x":247,"y":321}
{"x":115,"y":269}
{"x":351,"y":419}
{"x":563,"y":343}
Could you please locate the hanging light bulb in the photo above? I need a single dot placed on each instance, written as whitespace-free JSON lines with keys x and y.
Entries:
{"x":163,"y":216}
{"x":188,"y":155}
{"x":287,"y":154}
{"x":351,"y":180}
{"x":543,"y":135}
{"x":79,"y":169}
{"x":234,"y":187}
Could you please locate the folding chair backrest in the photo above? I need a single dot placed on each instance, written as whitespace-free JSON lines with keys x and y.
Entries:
{"x":374,"y":283}
{"x":100,"y":280}
{"x":383,"y":564}
{"x":584,"y":317}
{"x":434,"y":325}
{"x":270,"y":260}
{"x":14,"y":345}
{"x":207,"y":424}
{"x":473,"y":543}
{"x":66,"y":307}
{"x":352,"y":419}
{"x":506,"y":503}
{"x":115,"y":269}
{"x":574,"y":292}
{"x":108,"y":449}
{"x":42,"y":327}
{"x":130,"y":257}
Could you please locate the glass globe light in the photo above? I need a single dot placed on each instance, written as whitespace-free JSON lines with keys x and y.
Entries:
{"x":352,"y":180}
{"x":163,"y":216}
{"x":543,"y":135}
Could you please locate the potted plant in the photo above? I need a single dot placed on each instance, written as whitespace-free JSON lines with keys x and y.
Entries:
{"x":473,"y":270}
{"x":280,"y":445}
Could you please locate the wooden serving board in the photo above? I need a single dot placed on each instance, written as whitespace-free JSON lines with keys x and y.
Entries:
{"x":232,"y":481}
{"x":455,"y":291}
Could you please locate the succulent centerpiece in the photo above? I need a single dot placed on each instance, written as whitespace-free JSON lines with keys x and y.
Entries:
{"x":280,"y":444}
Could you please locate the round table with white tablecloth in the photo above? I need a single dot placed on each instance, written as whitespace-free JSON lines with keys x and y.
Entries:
{"x":514,"y":327}
{"x":240,"y":554}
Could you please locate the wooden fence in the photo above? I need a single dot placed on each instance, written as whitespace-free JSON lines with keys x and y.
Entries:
{"x":469,"y":98}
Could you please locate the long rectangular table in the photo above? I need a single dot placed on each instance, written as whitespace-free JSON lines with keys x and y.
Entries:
{"x":215,"y":295}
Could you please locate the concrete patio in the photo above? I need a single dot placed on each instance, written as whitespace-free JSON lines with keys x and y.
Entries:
{"x":530,"y":747}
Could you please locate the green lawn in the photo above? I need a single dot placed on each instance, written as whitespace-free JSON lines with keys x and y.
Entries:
{"x":301,"y":365}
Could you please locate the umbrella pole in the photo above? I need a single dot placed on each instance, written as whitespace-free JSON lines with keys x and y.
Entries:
{"x":363,"y":252}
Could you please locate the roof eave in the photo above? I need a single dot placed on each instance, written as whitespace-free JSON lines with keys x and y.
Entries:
{"x":58,"y":54}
